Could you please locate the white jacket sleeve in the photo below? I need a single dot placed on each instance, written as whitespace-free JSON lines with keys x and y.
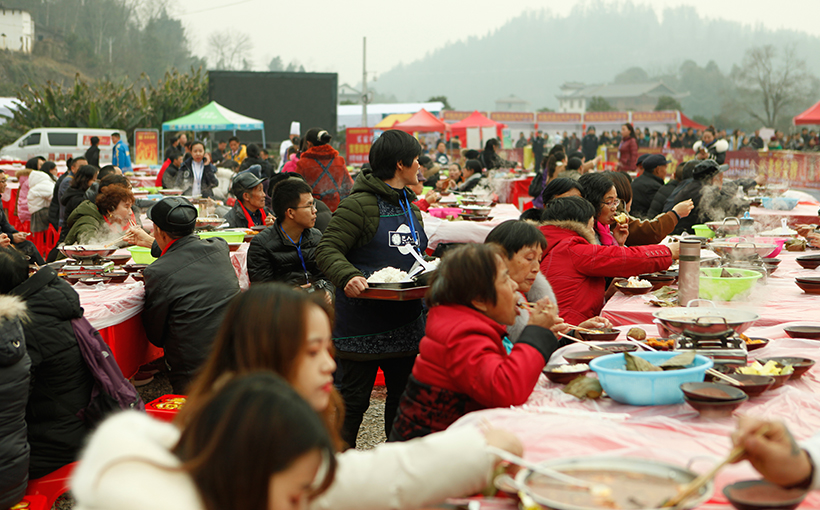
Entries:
{"x":40,"y":190}
{"x":410,"y":475}
{"x":812,"y":447}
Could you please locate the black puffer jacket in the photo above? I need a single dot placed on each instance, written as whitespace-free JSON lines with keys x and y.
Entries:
{"x":72,"y":198}
{"x":60,"y":380}
{"x":14,"y":383}
{"x":186,"y":293}
{"x":272,"y":257}
{"x":644,"y":188}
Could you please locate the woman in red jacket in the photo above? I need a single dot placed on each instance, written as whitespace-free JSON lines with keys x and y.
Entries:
{"x":323,"y":168}
{"x":466,"y":362}
{"x":576,"y":266}
{"x":628,"y":150}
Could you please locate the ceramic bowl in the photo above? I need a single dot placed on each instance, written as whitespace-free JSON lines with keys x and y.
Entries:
{"x":562,"y":377}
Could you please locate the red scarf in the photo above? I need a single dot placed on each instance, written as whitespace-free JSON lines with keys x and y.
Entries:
{"x":168,"y":246}
{"x":248,"y":216}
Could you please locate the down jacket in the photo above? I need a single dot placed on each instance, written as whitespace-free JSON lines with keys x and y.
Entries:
{"x":187,"y":290}
{"x":14,"y":384}
{"x":463,"y":366}
{"x":326,"y":172}
{"x":272,"y":257}
{"x":577,"y":267}
{"x":85,"y":223}
{"x":132,"y":451}
{"x":40,"y":191}
{"x":60,"y":380}
{"x":354,"y":224}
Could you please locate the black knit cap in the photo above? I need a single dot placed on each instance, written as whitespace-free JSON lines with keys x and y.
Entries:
{"x":173,"y":214}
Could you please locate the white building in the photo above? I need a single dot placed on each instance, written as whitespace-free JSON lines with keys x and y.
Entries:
{"x":575,"y":97}
{"x":16,"y":30}
{"x":348,"y":94}
{"x":512,"y":104}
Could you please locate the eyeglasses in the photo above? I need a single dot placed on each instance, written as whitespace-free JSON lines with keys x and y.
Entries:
{"x":614,"y":203}
{"x":311,"y":205}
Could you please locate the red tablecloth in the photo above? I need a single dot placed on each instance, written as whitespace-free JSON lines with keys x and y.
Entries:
{"x":9,"y":200}
{"x":512,"y":191}
{"x":129,"y":345}
{"x":553,"y":424}
{"x":776,"y":301}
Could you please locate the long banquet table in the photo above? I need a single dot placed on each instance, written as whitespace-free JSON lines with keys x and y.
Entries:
{"x":443,"y":231}
{"x":777,"y":300}
{"x":554,"y":425}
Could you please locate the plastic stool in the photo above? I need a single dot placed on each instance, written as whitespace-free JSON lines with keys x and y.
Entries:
{"x":51,"y":486}
{"x":166,"y":407}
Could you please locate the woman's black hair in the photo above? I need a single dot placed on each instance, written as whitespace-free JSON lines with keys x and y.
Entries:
{"x":556,"y":148}
{"x":623,"y":187}
{"x":198,"y":142}
{"x":108,"y":170}
{"x":13,"y":269}
{"x":316,"y":136}
{"x":560,"y":186}
{"x":574,"y":164}
{"x":532,"y":214}
{"x":474,"y":165}
{"x":515,"y":235}
{"x":33,"y":162}
{"x":552,"y":163}
{"x":118,"y":179}
{"x":595,"y":186}
{"x":631,"y":129}
{"x":48,"y":166}
{"x":568,"y":209}
{"x":465,"y":274}
{"x":85,"y":174}
{"x":390,"y":148}
{"x":491,"y":144}
{"x":252,"y":150}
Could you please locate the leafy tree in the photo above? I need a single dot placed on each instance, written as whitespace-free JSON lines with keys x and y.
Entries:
{"x":667,"y":103}
{"x":276,"y":64}
{"x":599,"y":104}
{"x":442,"y":99}
{"x":545,"y":109}
{"x":771,"y":80}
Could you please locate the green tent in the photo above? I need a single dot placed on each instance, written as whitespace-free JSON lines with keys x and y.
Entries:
{"x":213,"y":117}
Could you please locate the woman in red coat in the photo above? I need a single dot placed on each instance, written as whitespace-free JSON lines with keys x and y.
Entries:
{"x":576,"y":266}
{"x":628,"y":150}
{"x":466,"y":362}
{"x":323,"y":168}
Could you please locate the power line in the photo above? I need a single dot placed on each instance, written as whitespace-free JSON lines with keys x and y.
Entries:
{"x":215,"y":8}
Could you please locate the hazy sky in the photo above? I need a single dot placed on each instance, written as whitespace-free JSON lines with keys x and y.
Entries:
{"x":326,"y":36}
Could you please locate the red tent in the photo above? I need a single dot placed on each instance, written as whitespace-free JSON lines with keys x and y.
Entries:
{"x":689,"y":123}
{"x":810,"y":116}
{"x":422,"y":122}
{"x":474,"y":120}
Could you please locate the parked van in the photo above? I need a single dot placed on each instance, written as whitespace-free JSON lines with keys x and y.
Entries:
{"x":57,"y":144}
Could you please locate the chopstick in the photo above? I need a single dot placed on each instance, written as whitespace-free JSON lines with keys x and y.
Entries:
{"x":541,"y":470}
{"x":721,"y":375}
{"x":591,"y":346}
{"x":703,"y":479}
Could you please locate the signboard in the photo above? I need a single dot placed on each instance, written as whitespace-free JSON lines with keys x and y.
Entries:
{"x":520,"y":117}
{"x":606,"y":117}
{"x":146,"y":147}
{"x":454,"y":116}
{"x":796,"y":169}
{"x":104,"y":140}
{"x":357,"y":144}
{"x":555,"y":118}
{"x":655,"y":117}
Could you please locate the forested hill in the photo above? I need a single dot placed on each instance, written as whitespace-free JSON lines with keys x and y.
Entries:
{"x":534,"y":53}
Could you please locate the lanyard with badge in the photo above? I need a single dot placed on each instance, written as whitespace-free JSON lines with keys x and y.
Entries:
{"x":298,"y":251}
{"x":408,"y":212}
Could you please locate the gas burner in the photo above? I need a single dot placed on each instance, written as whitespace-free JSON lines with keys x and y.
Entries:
{"x":723,"y":347}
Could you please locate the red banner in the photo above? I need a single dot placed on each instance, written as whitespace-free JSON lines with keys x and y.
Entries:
{"x":357,"y":145}
{"x":659,"y":117}
{"x":522,"y":117}
{"x":555,"y":118}
{"x":146,"y":146}
{"x":609,"y":117}
{"x":104,"y":140}
{"x":798,"y":169}
{"x":454,"y":116}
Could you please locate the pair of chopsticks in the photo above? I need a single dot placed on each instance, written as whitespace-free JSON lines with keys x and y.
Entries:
{"x":703,"y":479}
{"x":131,"y":223}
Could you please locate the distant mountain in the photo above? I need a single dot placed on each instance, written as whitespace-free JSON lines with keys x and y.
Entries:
{"x":534,"y":53}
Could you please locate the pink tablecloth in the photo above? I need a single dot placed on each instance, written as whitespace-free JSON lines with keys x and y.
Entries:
{"x":443,"y":231}
{"x":143,"y":181}
{"x":553,"y":424}
{"x":768,"y":218}
{"x":776,"y":301}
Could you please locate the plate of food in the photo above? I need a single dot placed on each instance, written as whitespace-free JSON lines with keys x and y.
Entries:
{"x":634,"y":286}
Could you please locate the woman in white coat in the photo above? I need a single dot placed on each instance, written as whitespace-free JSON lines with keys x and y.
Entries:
{"x":40,"y":191}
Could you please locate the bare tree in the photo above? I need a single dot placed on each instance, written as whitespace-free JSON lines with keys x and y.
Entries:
{"x":227,"y":50}
{"x":771,"y":80}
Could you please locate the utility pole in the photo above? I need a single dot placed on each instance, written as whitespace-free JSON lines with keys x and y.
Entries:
{"x":364,"y":82}
{"x":110,"y":45}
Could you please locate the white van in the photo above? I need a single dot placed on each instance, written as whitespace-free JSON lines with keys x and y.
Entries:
{"x":56,"y":144}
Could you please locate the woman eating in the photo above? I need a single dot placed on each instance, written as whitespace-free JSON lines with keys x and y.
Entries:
{"x":92,"y":221}
{"x":523,"y":244}
{"x":251,"y":444}
{"x":491,"y":158}
{"x":577,"y":266}
{"x":272,"y":327}
{"x":628,"y":149}
{"x":600,"y":192}
{"x":652,"y":231}
{"x":470,"y":176}
{"x":375,"y":228}
{"x":197,"y":176}
{"x":466,"y":361}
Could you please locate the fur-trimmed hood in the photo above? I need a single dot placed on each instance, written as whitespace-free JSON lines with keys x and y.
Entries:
{"x":12,"y":307}
{"x":574,"y":226}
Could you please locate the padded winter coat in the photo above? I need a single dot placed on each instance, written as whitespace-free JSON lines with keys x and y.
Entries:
{"x":326,"y":172}
{"x":272,"y":257}
{"x":354,"y":224}
{"x":14,"y":384}
{"x":84,"y":223}
{"x":60,"y":380}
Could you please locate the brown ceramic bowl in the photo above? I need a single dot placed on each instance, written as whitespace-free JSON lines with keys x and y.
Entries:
{"x":617,"y":347}
{"x":607,"y":335}
{"x":119,"y":260}
{"x":800,"y":365}
{"x":562,"y":377}
{"x":248,"y":238}
{"x":810,"y":332}
{"x":808,"y":287}
{"x":234,"y":246}
{"x":94,"y":280}
{"x":138,"y":276}
{"x":711,"y":392}
{"x":762,"y":495}
{"x":809,"y":261}
{"x":134,"y":268}
{"x":633,"y":291}
{"x":757,"y":345}
{"x":722,"y":409}
{"x":779,"y":380}
{"x":752,"y":385}
{"x":117,"y":276}
{"x":584,"y":356}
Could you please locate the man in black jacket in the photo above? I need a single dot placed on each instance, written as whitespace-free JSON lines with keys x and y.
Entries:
{"x":647,"y":184}
{"x":92,"y":154}
{"x":665,"y":191}
{"x":589,"y":144}
{"x":249,"y":208}
{"x":286,"y":252}
{"x":254,"y":157}
{"x":187,"y":289}
{"x":538,"y":149}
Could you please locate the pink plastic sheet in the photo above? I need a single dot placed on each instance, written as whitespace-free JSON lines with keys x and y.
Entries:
{"x":553,"y":424}
{"x":443,"y":231}
{"x":776,"y":301}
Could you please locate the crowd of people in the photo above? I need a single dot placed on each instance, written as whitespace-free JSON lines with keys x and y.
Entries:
{"x":278,"y":377}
